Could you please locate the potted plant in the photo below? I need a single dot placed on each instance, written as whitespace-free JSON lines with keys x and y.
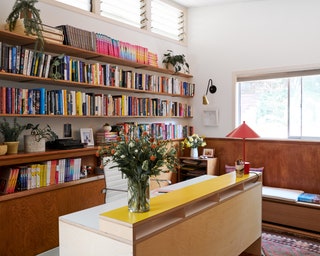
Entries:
{"x":11,"y":134}
{"x":178,"y":62}
{"x":36,"y":140}
{"x":24,"y":11}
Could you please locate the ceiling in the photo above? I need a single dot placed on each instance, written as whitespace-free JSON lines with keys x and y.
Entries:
{"x":197,"y":3}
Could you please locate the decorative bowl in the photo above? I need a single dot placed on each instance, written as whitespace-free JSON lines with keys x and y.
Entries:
{"x":3,"y":149}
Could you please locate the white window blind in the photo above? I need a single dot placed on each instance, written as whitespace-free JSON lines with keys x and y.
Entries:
{"x":167,"y":20}
{"x":81,"y":4}
{"x":127,"y":11}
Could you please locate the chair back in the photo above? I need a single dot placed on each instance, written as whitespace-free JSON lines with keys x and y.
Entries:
{"x":116,"y":185}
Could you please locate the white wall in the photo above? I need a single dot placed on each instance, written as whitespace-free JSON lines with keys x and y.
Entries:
{"x":241,"y":37}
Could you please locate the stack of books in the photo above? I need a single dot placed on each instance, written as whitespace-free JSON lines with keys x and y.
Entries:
{"x":78,"y":38}
{"x":50,"y":34}
{"x":104,"y":138}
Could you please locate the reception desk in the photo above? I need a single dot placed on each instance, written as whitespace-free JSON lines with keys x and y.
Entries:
{"x":204,"y":216}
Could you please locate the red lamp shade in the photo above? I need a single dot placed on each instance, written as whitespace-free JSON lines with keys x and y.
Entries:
{"x":243,"y":131}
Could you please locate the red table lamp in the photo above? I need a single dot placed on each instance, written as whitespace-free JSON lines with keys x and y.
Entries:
{"x":243,"y":131}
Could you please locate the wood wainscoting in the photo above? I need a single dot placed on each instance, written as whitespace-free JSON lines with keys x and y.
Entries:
{"x":287,"y":163}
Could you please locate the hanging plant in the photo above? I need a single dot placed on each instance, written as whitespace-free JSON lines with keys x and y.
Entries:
{"x":26,"y":10}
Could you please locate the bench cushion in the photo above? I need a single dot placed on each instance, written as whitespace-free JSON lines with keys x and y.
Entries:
{"x":281,"y":193}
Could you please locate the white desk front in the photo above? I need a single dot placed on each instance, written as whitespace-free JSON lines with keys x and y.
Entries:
{"x":80,"y":232}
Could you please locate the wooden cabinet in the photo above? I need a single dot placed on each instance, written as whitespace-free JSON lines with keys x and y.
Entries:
{"x":29,"y":219}
{"x":193,"y":167}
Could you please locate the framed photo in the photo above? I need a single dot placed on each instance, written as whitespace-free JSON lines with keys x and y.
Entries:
{"x":86,"y":135}
{"x":208,"y":152}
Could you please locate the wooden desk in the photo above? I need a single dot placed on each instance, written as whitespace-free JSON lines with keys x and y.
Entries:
{"x":200,"y":219}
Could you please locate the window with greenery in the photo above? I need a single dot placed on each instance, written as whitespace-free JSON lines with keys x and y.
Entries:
{"x":157,"y":16}
{"x":282,"y":107}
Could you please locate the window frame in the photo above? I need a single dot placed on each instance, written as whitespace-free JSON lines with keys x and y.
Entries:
{"x":95,"y":13}
{"x":272,"y":74}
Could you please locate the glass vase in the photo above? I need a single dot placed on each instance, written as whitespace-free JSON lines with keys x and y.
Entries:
{"x":194,"y":152}
{"x":138,"y":195}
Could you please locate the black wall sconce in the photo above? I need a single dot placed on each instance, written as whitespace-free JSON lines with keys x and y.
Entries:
{"x":210,"y":88}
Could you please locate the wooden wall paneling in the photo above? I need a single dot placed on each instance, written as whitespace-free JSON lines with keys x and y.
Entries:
{"x":29,"y":224}
{"x":287,"y":164}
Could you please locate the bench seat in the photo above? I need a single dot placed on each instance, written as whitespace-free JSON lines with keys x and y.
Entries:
{"x":281,"y":206}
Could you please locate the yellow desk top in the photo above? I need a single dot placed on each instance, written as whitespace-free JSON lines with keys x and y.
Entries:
{"x":176,"y":198}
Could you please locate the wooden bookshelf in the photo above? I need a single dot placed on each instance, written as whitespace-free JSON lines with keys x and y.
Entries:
{"x":29,"y":219}
{"x":13,"y":38}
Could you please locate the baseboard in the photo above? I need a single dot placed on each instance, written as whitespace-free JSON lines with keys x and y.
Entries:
{"x":298,"y":232}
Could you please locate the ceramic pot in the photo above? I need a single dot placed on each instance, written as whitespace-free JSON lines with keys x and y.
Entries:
{"x":31,"y":145}
{"x":12,"y":147}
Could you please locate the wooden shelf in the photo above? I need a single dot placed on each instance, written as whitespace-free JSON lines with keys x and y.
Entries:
{"x":35,"y":191}
{"x":50,"y":81}
{"x":23,"y":158}
{"x":27,"y":41}
{"x":193,"y":167}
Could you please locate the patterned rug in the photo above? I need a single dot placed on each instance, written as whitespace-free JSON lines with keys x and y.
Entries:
{"x":287,"y":244}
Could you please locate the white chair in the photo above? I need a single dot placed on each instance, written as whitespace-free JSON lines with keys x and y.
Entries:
{"x":116,"y":185}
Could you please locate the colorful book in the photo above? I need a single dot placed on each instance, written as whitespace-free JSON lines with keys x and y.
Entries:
{"x":309,"y":198}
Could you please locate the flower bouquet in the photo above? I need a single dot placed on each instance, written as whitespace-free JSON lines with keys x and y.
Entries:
{"x":139,"y":155}
{"x":194,"y":141}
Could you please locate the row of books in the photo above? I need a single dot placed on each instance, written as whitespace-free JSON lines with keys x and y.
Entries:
{"x":105,"y":44}
{"x":17,"y":59}
{"x":166,"y":131}
{"x":20,"y":60}
{"x":36,"y":175}
{"x":70,"y":102}
{"x":113,"y":47}
{"x":124,"y":105}
{"x":112,"y":75}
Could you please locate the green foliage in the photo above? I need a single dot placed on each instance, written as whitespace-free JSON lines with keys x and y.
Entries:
{"x":11,"y":133}
{"x":177,"y":61}
{"x":139,"y":157}
{"x":31,"y":19}
{"x":40,"y":133}
{"x":54,"y":72}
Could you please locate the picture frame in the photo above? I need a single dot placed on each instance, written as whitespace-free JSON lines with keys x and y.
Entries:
{"x":211,"y":117}
{"x":86,"y":135}
{"x":208,"y":152}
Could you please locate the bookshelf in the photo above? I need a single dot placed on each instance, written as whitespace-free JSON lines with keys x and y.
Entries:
{"x":193,"y":167}
{"x":28,"y":212}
